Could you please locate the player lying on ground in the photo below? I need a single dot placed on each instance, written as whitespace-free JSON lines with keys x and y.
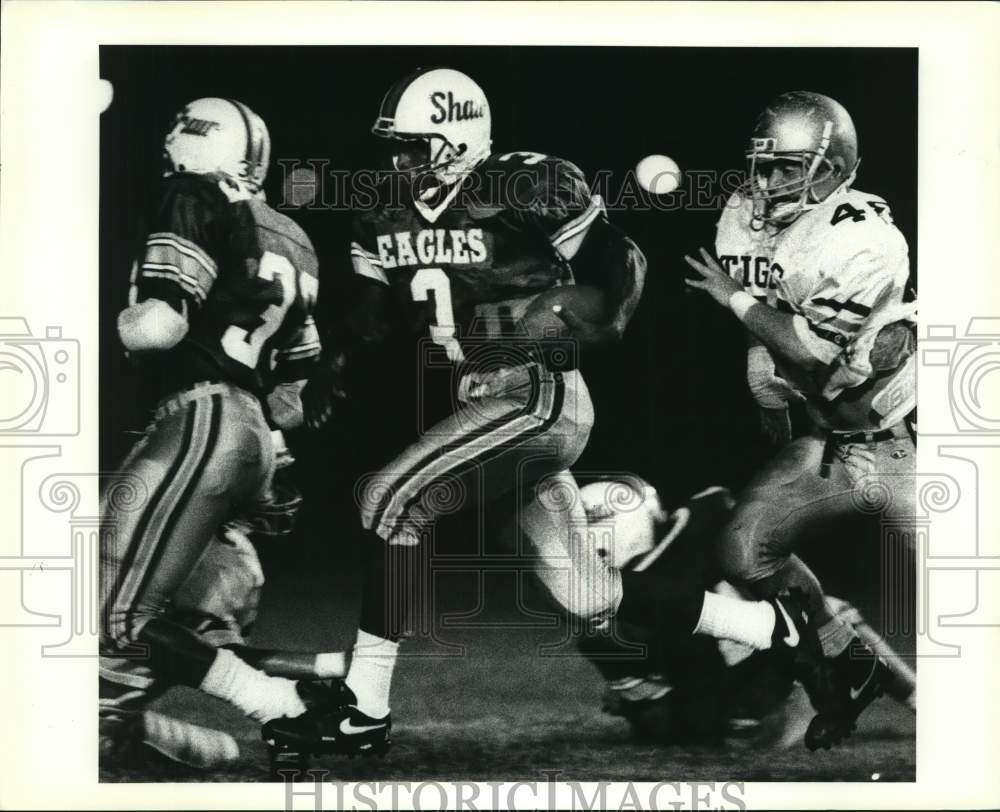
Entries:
{"x":218,"y":602}
{"x":671,"y":686}
{"x":220,"y":323}
{"x":818,"y":274}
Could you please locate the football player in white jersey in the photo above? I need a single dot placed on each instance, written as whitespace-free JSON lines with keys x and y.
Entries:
{"x":818,"y":274}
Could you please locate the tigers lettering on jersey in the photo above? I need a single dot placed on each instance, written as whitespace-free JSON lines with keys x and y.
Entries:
{"x":432,"y":246}
{"x":757,"y":274}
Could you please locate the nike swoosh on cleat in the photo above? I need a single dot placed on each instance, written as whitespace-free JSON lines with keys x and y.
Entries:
{"x":856,"y":692}
{"x":792,"y":638}
{"x":349,"y":729}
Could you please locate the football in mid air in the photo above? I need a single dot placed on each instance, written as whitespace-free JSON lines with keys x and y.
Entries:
{"x":584,"y":301}
{"x":658,"y":174}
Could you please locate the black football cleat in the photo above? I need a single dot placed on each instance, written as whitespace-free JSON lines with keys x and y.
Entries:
{"x":845,"y":686}
{"x":793,"y":631}
{"x":339,"y":728}
{"x":320,"y":694}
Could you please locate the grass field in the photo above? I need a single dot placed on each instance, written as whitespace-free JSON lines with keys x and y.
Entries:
{"x":502,"y":712}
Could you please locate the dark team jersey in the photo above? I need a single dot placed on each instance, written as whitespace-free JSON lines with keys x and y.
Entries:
{"x":470,"y":267}
{"x":246,"y":278}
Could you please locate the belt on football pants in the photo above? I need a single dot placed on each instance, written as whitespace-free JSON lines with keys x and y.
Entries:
{"x":203,"y":389}
{"x":835,"y":439}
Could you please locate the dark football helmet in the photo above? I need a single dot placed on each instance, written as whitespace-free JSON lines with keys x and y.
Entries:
{"x":803,"y":148}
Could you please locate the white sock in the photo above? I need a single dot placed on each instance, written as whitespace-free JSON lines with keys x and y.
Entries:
{"x":330,"y":664}
{"x":749,"y":622}
{"x":370,"y":675}
{"x":259,"y":696}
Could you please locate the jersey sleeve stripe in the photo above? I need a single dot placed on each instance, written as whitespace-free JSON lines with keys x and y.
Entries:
{"x":169,"y":256}
{"x":844,"y":325}
{"x":363,"y":266}
{"x":568,"y":239}
{"x":850,"y":306}
{"x":186,"y":247}
{"x":171,"y":272}
{"x":300,"y":352}
{"x":357,"y":250}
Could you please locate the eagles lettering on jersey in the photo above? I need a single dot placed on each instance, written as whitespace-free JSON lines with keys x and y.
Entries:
{"x":245,"y":277}
{"x":510,"y":232}
{"x":841,"y":269}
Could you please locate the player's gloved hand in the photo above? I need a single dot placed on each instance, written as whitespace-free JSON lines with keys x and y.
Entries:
{"x":323,"y":390}
{"x":714,"y":281}
{"x":588,"y":332}
{"x":776,"y":425}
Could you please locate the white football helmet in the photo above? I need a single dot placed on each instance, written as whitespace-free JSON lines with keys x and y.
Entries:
{"x":447,"y":110}
{"x":624,"y":516}
{"x":219,"y":135}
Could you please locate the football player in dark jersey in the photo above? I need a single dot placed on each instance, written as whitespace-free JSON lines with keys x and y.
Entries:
{"x":456,"y":269}
{"x":218,"y":600}
{"x":672,"y":686}
{"x":220,"y":322}
{"x":478,"y":268}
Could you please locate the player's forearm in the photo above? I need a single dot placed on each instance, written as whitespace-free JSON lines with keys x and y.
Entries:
{"x":776,"y":331}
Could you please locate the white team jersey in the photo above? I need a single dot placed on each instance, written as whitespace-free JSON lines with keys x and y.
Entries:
{"x":841,"y":269}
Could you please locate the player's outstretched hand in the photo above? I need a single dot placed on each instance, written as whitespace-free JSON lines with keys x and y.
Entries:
{"x":714,"y":281}
{"x":585,"y":331}
{"x":323,"y":390}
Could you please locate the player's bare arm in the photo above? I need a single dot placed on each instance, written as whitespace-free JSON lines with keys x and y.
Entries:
{"x":775,"y":330}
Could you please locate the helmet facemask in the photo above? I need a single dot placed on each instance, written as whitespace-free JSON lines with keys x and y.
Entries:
{"x":442,"y":118}
{"x":434,"y":163}
{"x":429,"y":161}
{"x":779,"y":204}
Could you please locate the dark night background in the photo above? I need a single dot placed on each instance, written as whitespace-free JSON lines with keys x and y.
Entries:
{"x":671,"y":402}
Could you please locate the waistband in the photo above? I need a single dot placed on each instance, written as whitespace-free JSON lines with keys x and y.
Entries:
{"x":203,"y":389}
{"x":897,"y":431}
{"x":841,"y":438}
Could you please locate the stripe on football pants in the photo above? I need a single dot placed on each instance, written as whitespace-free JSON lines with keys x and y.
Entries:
{"x":171,"y":495}
{"x":214,"y":416}
{"x":489,"y":442}
{"x":499,"y":422}
{"x":127,"y":562}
